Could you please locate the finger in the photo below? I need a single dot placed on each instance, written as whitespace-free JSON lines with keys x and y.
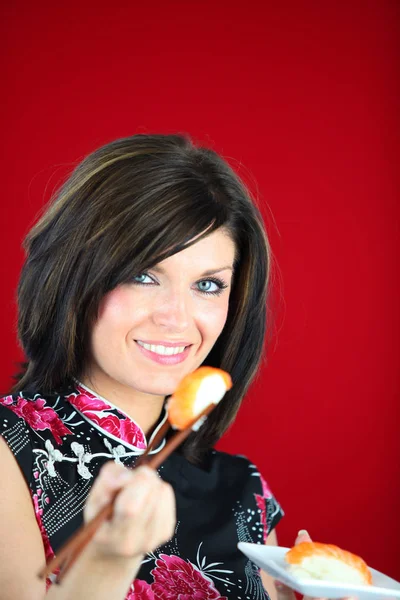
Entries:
{"x":302,"y":536}
{"x":163,"y":521}
{"x":133,"y":508}
{"x":283,"y":591}
{"x":137,"y":503}
{"x":144,"y":523}
{"x":112,"y":477}
{"x":311,"y":598}
{"x":134,"y":499}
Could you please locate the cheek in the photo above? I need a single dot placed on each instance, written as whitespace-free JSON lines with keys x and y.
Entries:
{"x":113,"y":305}
{"x":114,"y":321}
{"x":213,"y":322}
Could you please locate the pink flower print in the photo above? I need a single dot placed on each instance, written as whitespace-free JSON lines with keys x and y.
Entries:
{"x":261,"y":503}
{"x":97,"y":411}
{"x":106,"y":421}
{"x":40,"y":417}
{"x":140,"y":590}
{"x":176,"y":579}
{"x":124,"y":429}
{"x":86,"y":402}
{"x":48,"y":550}
{"x":46,"y":542}
{"x":7,"y":400}
{"x":131,"y":433}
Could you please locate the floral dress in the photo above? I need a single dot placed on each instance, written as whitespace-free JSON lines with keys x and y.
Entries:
{"x":61,"y":441}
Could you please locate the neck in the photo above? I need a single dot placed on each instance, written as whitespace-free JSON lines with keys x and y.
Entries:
{"x":144,"y":409}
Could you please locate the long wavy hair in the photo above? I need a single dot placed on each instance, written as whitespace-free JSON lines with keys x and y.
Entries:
{"x":126,"y":207}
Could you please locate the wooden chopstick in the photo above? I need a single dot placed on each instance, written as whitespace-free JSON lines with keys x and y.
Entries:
{"x":75,"y":545}
{"x":70,"y":560}
{"x":156,"y":460}
{"x":71,"y":550}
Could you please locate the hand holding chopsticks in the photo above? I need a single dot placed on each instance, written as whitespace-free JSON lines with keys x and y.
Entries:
{"x":194,"y":399}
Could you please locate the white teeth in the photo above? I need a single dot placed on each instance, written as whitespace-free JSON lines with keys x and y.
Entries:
{"x":163,"y":350}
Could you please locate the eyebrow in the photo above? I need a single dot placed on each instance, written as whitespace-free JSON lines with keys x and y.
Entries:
{"x":158,"y":269}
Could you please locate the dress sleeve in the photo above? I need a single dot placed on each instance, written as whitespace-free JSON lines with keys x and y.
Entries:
{"x":14,"y":430}
{"x":262,"y":508}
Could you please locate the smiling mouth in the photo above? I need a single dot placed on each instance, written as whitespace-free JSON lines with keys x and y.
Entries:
{"x":162,"y":350}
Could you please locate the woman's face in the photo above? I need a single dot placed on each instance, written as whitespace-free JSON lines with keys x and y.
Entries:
{"x":161,"y":326}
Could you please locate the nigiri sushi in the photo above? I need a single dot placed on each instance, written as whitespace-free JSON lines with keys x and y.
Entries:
{"x":313,"y":560}
{"x":196,"y":391}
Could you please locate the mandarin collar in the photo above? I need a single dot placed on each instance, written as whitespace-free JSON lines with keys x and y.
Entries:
{"x":112,"y":421}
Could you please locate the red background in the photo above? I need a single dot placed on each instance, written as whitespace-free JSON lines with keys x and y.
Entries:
{"x":304,"y":97}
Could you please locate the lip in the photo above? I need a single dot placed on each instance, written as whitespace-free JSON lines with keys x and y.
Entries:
{"x":163,"y":359}
{"x":164,"y":343}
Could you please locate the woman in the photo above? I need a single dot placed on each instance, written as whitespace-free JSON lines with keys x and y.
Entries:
{"x":151,"y":261}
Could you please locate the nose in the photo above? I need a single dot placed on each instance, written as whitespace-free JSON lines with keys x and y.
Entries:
{"x":173,"y":312}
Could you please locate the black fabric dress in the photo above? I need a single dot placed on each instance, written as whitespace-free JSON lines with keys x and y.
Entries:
{"x":60,"y":443}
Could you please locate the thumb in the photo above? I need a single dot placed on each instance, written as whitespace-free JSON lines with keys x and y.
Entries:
{"x":283,"y":591}
{"x":302,"y":536}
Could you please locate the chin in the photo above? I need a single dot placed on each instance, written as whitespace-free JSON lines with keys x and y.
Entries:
{"x":162,"y":390}
{"x":157,"y":389}
{"x":160,"y":384}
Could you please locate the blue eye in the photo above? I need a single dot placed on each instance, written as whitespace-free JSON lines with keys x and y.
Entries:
{"x":211,"y":286}
{"x":207,"y":286}
{"x":142,"y":278}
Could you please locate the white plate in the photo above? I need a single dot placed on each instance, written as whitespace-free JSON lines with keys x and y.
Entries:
{"x":271,"y":559}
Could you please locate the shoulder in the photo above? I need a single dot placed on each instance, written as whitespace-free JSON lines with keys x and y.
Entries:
{"x":23,"y":402}
{"x":31,"y":413}
{"x":234,"y":468}
{"x":254,"y":497}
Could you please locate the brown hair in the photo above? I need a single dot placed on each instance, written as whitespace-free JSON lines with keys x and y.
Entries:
{"x":126,"y":207}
